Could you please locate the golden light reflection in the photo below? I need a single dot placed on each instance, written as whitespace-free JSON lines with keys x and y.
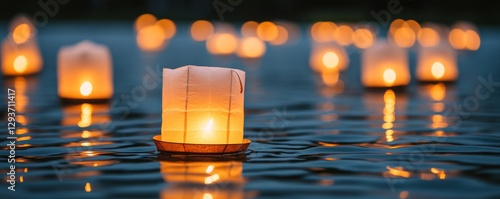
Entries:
{"x":437,"y":70}
{"x":437,"y":91}
{"x":21,"y":179}
{"x":428,"y":37}
{"x":330,"y":79}
{"x":267,"y":31}
{"x":363,"y":38}
{"x":344,"y":35}
{"x":251,"y":47}
{"x":328,"y":58}
{"x":398,"y":171}
{"x":439,"y":172}
{"x":21,"y":33}
{"x":389,"y":117}
{"x":389,"y":76}
{"x":88,"y":188}
{"x":201,"y":30}
{"x":323,"y":31}
{"x":222,"y":44}
{"x":20,"y":64}
{"x":183,"y":175}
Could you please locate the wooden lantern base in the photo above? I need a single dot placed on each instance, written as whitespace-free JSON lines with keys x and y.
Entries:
{"x":174,"y":147}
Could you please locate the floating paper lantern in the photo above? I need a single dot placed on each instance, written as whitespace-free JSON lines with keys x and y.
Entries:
{"x":20,"y":51}
{"x":183,"y":176}
{"x":328,"y":57}
{"x":84,"y":71}
{"x":437,"y":64}
{"x":202,"y":110}
{"x":201,"y":30}
{"x":384,"y":65}
{"x":251,"y":47}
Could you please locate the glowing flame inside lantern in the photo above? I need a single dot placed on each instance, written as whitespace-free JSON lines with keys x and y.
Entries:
{"x":389,"y":76}
{"x":209,"y":125}
{"x":86,"y":88}
{"x":21,"y":33}
{"x":20,"y":63}
{"x":207,"y":196}
{"x":437,"y":70}
{"x":330,"y":59}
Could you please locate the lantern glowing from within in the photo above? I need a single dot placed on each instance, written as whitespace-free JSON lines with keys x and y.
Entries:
{"x":203,"y":105}
{"x":201,"y":30}
{"x":437,"y":64}
{"x":182,"y":177}
{"x":20,"y":52}
{"x":251,"y":47}
{"x":384,"y":65}
{"x":328,"y":57}
{"x":84,"y":71}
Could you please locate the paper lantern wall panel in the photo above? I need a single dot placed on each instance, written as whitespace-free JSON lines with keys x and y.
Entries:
{"x":437,"y":64}
{"x":21,"y":59}
{"x":203,"y":105}
{"x":384,"y":65}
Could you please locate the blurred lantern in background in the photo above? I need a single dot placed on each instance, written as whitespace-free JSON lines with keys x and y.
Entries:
{"x":430,"y":35}
{"x":251,"y":47}
{"x":267,"y":31}
{"x":403,"y":33}
{"x":201,"y":30}
{"x":20,"y":51}
{"x":152,"y":34}
{"x":328,"y":57}
{"x":384,"y":65}
{"x":323,"y":31}
{"x":281,"y":37}
{"x":464,"y":36}
{"x":437,"y":63}
{"x":84,"y":71}
{"x":364,"y":38}
{"x":224,"y":41}
{"x":206,"y":176}
{"x":344,"y":35}
{"x":287,"y":32}
{"x":249,"y":29}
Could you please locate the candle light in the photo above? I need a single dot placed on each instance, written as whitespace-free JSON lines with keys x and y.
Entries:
{"x":328,"y":57}
{"x":202,"y":106}
{"x":85,"y":71}
{"x":20,"y":52}
{"x":437,"y":64}
{"x":384,"y":65}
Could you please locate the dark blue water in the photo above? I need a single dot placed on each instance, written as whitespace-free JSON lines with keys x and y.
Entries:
{"x":342,"y":141}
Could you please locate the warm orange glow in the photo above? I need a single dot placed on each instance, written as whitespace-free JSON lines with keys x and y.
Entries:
{"x":151,"y":38}
{"x":323,"y":31}
{"x":222,"y":44}
{"x":389,"y":118}
{"x":281,"y":38}
{"x":404,"y":37}
{"x":88,"y":188}
{"x":201,"y":30}
{"x":330,"y":60}
{"x":398,"y":171}
{"x":168,"y":27}
{"x":249,"y":29}
{"x":84,"y":71}
{"x":20,"y":64}
{"x":403,"y":195}
{"x":207,"y":196}
{"x":428,"y":37}
{"x":440,"y":173}
{"x":388,"y":135}
{"x":437,"y":70}
{"x":363,"y":38}
{"x":330,"y":79}
{"x":395,"y":25}
{"x":414,"y":25}
{"x":85,"y":134}
{"x":21,"y":33}
{"x":86,"y":88}
{"x":384,"y":65}
{"x":437,"y":63}
{"x":389,"y":76}
{"x":86,"y":117}
{"x":473,"y":41}
{"x":344,"y":35}
{"x":457,"y":38}
{"x":213,"y":113}
{"x":267,"y":31}
{"x":251,"y":47}
{"x":438,"y":92}
{"x":209,"y":169}
{"x":144,"y":20}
